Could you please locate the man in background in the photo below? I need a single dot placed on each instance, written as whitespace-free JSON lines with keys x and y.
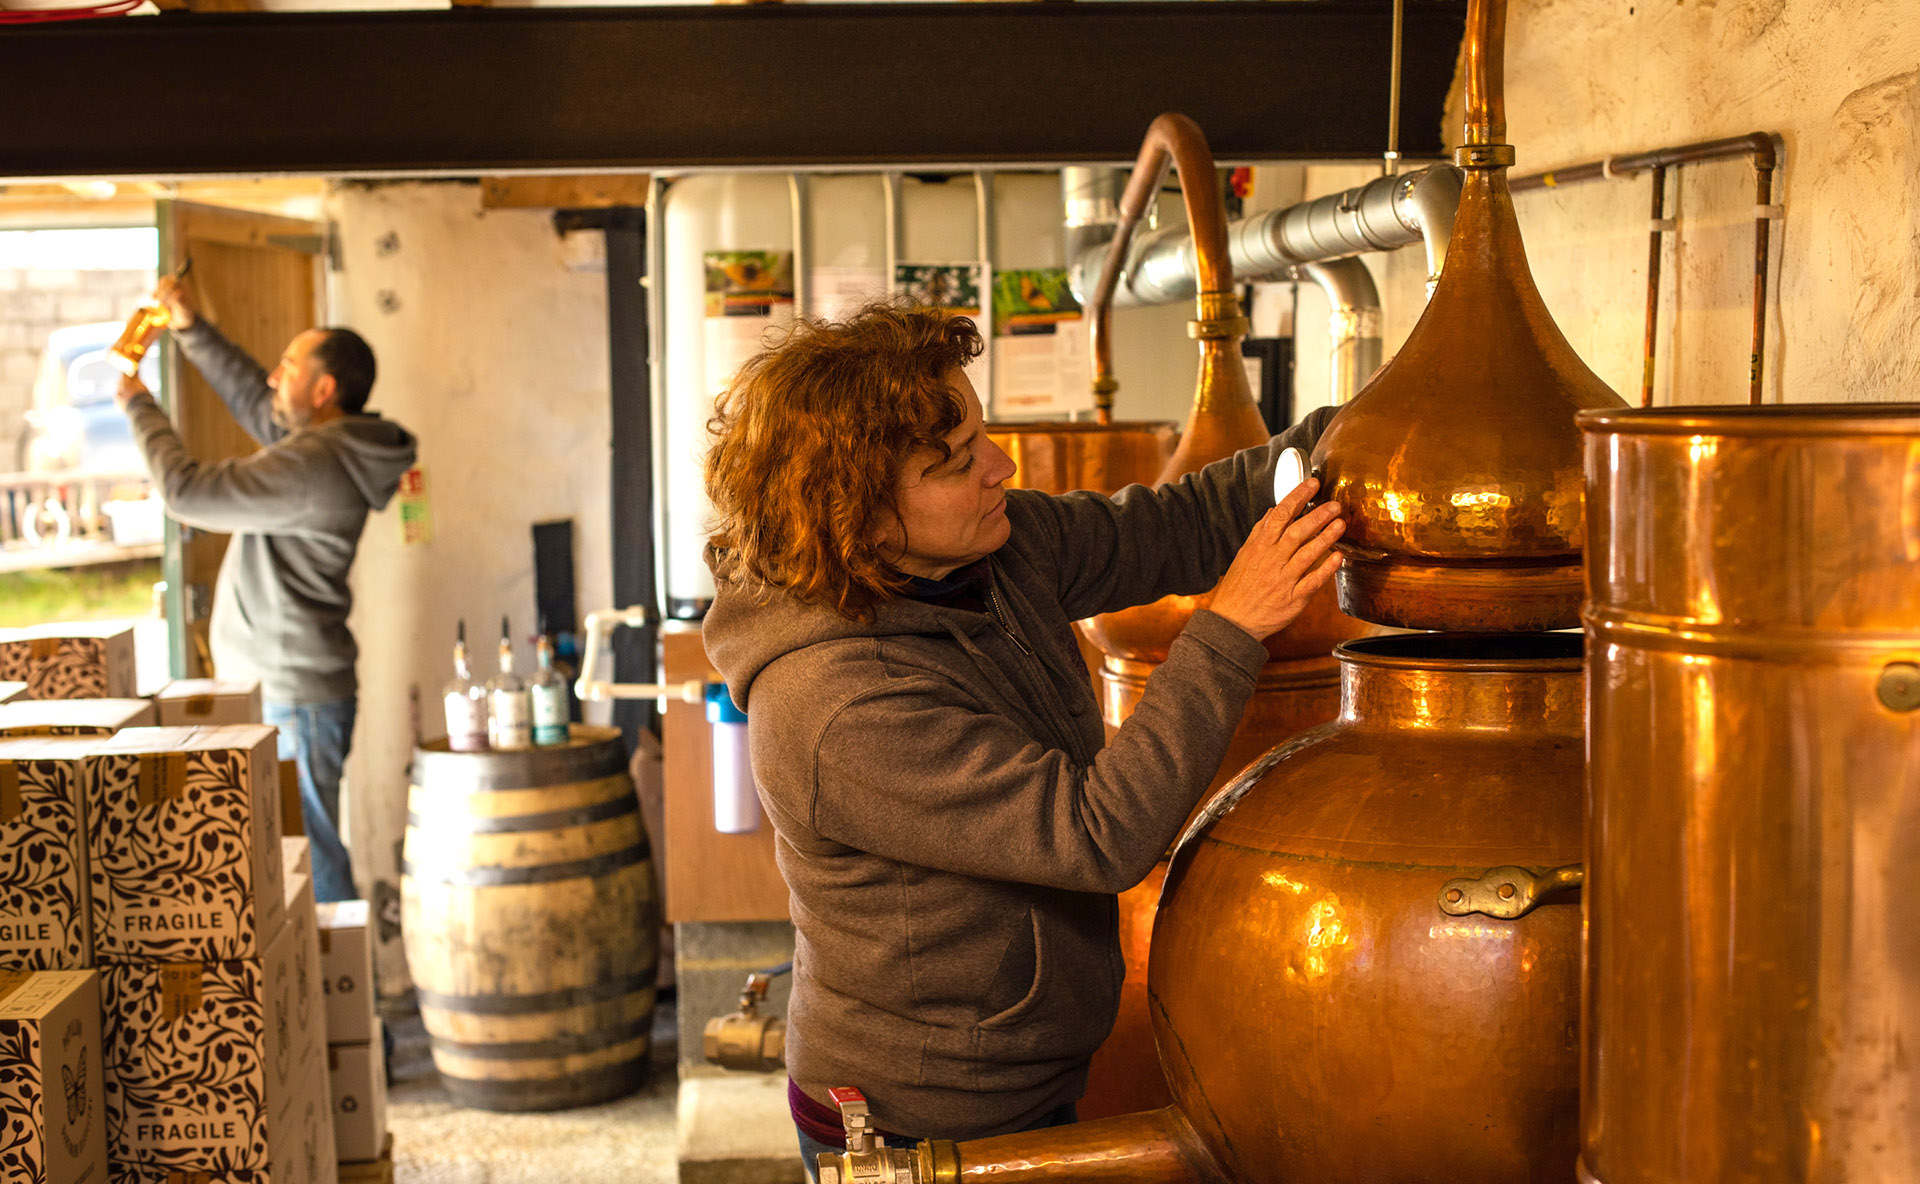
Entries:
{"x":295,"y":509}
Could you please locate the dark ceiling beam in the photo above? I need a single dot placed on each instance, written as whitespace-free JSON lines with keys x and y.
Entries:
{"x":486,"y":90}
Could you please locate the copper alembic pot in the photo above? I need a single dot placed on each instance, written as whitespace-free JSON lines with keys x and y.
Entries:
{"x":1459,"y":464}
{"x":1753,"y":958}
{"x":1299,"y":685}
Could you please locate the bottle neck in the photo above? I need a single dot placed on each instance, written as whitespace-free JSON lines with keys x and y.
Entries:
{"x":506,"y":658}
{"x":543,"y":655}
{"x":460,"y":666}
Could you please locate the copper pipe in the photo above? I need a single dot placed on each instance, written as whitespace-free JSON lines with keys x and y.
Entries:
{"x":1654,"y":231}
{"x":1171,"y":139}
{"x":1486,"y":53}
{"x":1155,"y":1147}
{"x":1759,"y":146}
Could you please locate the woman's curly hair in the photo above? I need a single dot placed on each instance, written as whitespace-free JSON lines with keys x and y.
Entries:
{"x":808,"y":442}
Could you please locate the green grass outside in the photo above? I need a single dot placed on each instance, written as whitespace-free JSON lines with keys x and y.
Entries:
{"x":101,"y":592}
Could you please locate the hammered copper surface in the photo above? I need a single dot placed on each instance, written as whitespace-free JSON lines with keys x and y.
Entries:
{"x":1057,"y":457}
{"x":1320,"y":1019}
{"x":1753,"y":984}
{"x":1155,"y":1147}
{"x":1459,"y":464}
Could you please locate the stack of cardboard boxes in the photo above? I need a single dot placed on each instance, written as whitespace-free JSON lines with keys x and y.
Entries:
{"x":161,"y":1009}
{"x":356,"y":1058}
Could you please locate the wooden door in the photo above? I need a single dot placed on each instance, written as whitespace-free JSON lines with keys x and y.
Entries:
{"x":257,"y":277}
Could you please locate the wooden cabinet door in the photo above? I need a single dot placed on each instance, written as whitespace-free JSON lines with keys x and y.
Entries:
{"x":258,"y":278}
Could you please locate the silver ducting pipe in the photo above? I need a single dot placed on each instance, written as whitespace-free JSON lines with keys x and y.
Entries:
{"x":1090,"y":196}
{"x":1353,"y":326}
{"x":1382,"y":215}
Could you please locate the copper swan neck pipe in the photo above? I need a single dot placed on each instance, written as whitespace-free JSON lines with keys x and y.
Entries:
{"x":1486,"y":69}
{"x":1153,"y":1147}
{"x":1177,"y":140}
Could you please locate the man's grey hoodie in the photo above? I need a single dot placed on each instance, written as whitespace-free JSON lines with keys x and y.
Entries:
{"x":295,"y":509}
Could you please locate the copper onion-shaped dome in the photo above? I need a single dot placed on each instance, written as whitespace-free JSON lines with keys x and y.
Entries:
{"x":1460,"y":465}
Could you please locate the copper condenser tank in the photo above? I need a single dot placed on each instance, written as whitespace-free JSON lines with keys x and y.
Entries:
{"x":1753,"y":957}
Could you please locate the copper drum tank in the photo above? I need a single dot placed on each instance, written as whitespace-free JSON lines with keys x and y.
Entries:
{"x":1753,"y":983}
{"x":1320,"y":1017}
{"x":1059,"y":457}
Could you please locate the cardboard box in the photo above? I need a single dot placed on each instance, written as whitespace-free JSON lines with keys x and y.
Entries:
{"x":358,"y":1074}
{"x":44,"y":889}
{"x":183,"y":833}
{"x":52,"y":1112}
{"x":300,"y":1151}
{"x":201,"y":1058}
{"x":72,"y":661}
{"x":74,"y":717}
{"x":292,"y":821}
{"x":346,"y":959}
{"x":204,"y":702}
{"x":309,"y":1033}
{"x":296,"y":857}
{"x":9,"y":691}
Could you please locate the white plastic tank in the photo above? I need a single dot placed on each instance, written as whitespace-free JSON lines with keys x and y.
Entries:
{"x":702,"y":215}
{"x":846,"y":248}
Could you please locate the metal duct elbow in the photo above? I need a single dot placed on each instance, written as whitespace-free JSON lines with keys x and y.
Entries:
{"x":1353,"y":325}
{"x":1383,"y":215}
{"x":1090,"y":201}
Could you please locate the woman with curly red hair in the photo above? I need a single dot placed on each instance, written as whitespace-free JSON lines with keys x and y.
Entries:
{"x":952,"y":822}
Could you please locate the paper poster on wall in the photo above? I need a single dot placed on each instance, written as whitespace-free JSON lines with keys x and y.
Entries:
{"x":958,"y":288}
{"x":748,"y":293}
{"x":1040,"y":342}
{"x":836,"y":293}
{"x":416,"y":513}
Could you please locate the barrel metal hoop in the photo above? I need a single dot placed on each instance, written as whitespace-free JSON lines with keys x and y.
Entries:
{"x":562,"y":1046}
{"x":545,"y":873}
{"x":548,"y":1093}
{"x":530,"y":768}
{"x":515,"y":823}
{"x":572,"y":997}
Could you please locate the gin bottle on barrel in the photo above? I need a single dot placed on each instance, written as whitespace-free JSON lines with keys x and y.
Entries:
{"x":548,"y":690}
{"x":465,"y":702}
{"x":509,"y":713}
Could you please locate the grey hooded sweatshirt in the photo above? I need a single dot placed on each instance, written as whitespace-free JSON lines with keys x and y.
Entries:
{"x":952,"y":822}
{"x":295,"y":510}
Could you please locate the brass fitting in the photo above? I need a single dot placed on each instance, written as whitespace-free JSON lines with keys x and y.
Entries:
{"x":868,"y":1159}
{"x":1217,"y":317}
{"x":1484,"y":156}
{"x":747,"y":1039}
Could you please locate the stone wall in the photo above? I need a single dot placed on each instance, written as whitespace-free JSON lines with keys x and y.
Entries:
{"x":33,"y":303}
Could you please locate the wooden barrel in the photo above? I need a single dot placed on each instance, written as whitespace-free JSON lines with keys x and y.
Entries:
{"x":531,"y":921}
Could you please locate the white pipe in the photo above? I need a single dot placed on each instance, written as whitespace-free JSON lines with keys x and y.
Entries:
{"x":600,"y":626}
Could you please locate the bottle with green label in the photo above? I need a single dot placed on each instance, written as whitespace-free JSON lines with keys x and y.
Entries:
{"x":549,"y":691}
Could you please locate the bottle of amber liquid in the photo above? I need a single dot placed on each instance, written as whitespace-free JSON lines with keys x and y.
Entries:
{"x":142,"y":328}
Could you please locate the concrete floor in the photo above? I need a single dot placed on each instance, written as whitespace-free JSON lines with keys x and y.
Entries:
{"x":630,"y":1141}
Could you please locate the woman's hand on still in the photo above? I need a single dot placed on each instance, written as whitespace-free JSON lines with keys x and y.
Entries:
{"x":1288,"y":557}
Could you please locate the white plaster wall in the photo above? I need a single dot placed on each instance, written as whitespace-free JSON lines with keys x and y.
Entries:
{"x":1838,"y":80}
{"x":491,"y":339}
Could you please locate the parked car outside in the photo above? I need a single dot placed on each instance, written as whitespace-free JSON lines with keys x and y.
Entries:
{"x":74,"y":422}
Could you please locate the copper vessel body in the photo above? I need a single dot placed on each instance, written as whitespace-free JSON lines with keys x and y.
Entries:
{"x":1057,"y":457}
{"x":1753,"y":984}
{"x":1459,"y":464}
{"x":1319,"y":1017}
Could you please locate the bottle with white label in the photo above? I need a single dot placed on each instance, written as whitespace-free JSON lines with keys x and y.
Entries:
{"x":465,"y":701}
{"x":510,"y":713}
{"x":549,"y":693}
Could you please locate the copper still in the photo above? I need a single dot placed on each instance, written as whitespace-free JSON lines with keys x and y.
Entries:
{"x":1459,"y":464}
{"x":1299,"y":686}
{"x":1753,"y":981}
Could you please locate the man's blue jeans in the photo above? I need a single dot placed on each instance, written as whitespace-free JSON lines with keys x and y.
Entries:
{"x":315,"y":737}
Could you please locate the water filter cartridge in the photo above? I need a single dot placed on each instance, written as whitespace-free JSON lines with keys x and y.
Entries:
{"x":736,"y":808}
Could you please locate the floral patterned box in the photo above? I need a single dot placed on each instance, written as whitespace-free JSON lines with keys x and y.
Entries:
{"x":202,"y":1058}
{"x":44,"y":887}
{"x":52,"y":1120}
{"x":201,"y":702}
{"x":74,"y":717}
{"x":300,"y":1151}
{"x":70,"y":661}
{"x":309,"y":1035}
{"x":183,"y":834}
